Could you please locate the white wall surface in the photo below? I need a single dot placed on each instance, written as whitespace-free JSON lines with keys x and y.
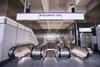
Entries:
{"x":1,"y":38}
{"x":33,"y":38}
{"x":20,"y":36}
{"x":9,"y":40}
{"x":13,"y":33}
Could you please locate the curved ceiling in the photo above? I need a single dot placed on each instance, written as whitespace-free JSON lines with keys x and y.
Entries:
{"x":56,"y":6}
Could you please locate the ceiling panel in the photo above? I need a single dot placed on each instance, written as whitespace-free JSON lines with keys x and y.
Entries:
{"x":83,"y":2}
{"x":36,"y":6}
{"x":54,"y":6}
{"x":54,"y":25}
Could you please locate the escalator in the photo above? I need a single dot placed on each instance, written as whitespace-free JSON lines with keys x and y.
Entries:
{"x":65,"y":57}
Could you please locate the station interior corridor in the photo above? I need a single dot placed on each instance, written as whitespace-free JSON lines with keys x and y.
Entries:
{"x":49,"y":33}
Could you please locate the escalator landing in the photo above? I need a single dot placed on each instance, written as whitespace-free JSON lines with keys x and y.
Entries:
{"x":92,"y":61}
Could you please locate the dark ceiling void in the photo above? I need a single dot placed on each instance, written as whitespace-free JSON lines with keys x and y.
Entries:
{"x":45,"y":31}
{"x":13,"y":8}
{"x":31,"y":24}
{"x":3,"y":7}
{"x":61,"y":31}
{"x":86,"y":25}
{"x":93,"y":15}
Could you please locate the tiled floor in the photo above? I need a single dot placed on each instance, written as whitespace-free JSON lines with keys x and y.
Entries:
{"x":93,"y":61}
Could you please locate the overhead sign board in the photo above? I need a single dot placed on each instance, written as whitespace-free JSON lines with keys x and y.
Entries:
{"x":50,"y":16}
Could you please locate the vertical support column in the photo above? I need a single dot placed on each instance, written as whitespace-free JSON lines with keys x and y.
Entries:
{"x":79,"y":44}
{"x":73,"y":5}
{"x":77,"y":34}
{"x":94,"y":38}
{"x":27,"y":4}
